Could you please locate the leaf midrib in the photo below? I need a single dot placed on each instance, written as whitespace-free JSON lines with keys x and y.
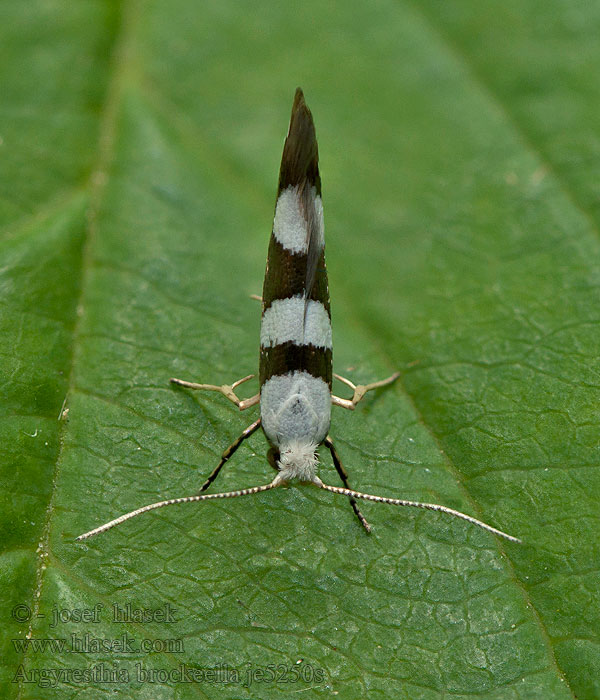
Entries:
{"x":122,"y":44}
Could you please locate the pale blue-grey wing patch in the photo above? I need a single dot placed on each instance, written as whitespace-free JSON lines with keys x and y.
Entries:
{"x":313,"y":214}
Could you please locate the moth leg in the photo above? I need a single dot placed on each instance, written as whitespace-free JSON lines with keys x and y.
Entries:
{"x":359,"y":390}
{"x":229,"y":452}
{"x":344,"y":477}
{"x":228,"y":390}
{"x":256,"y":297}
{"x":273,"y":457}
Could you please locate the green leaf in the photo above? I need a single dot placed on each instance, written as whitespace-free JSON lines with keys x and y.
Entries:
{"x":459,"y":156}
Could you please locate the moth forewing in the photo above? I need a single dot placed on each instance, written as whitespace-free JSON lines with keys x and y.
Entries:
{"x":295,"y":366}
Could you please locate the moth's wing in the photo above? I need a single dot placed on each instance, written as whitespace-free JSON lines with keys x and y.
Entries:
{"x":315,"y":239}
{"x":300,"y":168}
{"x":300,"y":160}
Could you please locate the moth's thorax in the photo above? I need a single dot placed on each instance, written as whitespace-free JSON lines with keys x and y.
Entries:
{"x":295,"y":409}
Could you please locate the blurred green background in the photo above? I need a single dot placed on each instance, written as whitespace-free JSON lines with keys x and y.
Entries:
{"x":139,"y":152}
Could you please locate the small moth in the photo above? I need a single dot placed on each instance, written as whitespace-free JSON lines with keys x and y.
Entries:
{"x":295,"y":369}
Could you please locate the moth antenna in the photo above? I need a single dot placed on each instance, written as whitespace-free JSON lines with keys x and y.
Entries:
{"x":175,"y":501}
{"x":414,"y":504}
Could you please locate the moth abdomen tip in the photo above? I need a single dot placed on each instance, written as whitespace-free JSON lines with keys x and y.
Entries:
{"x":299,"y":163}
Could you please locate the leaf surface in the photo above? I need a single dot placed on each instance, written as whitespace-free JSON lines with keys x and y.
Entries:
{"x":141,"y":145}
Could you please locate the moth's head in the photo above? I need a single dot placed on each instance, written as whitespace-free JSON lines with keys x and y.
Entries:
{"x":298,"y":460}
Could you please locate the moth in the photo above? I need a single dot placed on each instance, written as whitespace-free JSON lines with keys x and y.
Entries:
{"x":295,"y":368}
